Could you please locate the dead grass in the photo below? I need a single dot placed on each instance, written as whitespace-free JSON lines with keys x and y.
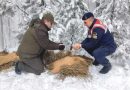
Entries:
{"x":62,"y":63}
{"x":50,"y":56}
{"x":6,"y":65}
{"x":3,"y":53}
{"x":7,"y":60}
{"x":70,"y":65}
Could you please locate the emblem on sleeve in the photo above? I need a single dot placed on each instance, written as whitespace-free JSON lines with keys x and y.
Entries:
{"x":94,"y":35}
{"x":89,"y":36}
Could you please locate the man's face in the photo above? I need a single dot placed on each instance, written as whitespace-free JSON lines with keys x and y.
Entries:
{"x":88,"y":22}
{"x":49,"y":24}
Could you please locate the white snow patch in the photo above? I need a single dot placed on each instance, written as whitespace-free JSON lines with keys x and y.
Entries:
{"x":117,"y":79}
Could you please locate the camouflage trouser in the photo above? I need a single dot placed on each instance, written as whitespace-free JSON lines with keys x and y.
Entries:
{"x":32,"y":65}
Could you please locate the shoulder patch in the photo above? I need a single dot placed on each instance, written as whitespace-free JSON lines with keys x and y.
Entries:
{"x":94,"y":35}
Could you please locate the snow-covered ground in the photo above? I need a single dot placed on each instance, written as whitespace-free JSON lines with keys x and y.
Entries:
{"x":117,"y":79}
{"x":15,"y":16}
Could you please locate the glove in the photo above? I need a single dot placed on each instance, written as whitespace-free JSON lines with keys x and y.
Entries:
{"x":61,"y":47}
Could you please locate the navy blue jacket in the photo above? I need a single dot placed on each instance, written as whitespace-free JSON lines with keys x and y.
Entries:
{"x":98,"y":38}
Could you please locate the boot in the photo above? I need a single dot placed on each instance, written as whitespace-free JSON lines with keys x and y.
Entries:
{"x":17,"y":70}
{"x":95,"y":63}
{"x":106,"y":68}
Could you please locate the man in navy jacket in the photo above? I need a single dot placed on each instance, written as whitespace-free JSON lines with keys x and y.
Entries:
{"x":99,"y":42}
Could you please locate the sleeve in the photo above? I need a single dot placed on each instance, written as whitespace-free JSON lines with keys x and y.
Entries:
{"x":93,"y":41}
{"x":43,"y":40}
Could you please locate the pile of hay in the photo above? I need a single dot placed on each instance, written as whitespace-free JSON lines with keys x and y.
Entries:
{"x":7,"y":60}
{"x":62,"y":63}
{"x":3,"y":53}
{"x":65,"y":64}
{"x":51,"y":56}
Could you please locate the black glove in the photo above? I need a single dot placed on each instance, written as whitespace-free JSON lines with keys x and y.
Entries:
{"x":61,"y":47}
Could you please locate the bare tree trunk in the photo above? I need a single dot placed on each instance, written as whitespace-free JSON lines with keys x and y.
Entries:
{"x":112,"y":12}
{"x":42,"y":2}
{"x":1,"y":34}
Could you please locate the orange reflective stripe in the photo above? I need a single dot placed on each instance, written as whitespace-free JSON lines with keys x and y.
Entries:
{"x":99,"y":24}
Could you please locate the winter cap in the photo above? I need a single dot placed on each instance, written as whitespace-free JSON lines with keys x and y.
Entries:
{"x":87,"y":15}
{"x":48,"y":16}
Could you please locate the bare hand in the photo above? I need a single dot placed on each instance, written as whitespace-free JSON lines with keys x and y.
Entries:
{"x":76,"y":46}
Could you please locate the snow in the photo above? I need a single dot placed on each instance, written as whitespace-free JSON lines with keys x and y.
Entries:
{"x":15,"y":16}
{"x":117,"y":79}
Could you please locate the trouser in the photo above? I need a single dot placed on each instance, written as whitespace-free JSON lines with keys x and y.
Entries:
{"x":32,"y":65}
{"x":100,"y":54}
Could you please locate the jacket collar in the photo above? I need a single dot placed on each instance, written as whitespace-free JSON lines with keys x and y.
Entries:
{"x":48,"y":29}
{"x":45,"y":26}
{"x":92,"y":24}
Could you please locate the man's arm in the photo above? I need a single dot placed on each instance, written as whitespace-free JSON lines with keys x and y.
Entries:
{"x":96,"y":37}
{"x":43,"y":40}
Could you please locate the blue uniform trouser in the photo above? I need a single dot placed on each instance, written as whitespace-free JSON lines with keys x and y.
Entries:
{"x":100,"y":54}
